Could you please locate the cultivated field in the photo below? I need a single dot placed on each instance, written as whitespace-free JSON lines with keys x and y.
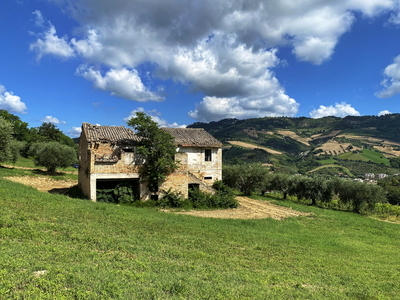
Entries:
{"x":251,"y":146}
{"x":294,"y":136}
{"x":334,"y":148}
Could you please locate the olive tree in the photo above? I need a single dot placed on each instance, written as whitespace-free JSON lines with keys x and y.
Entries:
{"x":53,"y":155}
{"x":247,"y":178}
{"x":9,"y":147}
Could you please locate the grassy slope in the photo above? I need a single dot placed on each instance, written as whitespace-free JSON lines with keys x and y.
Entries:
{"x":103,"y":251}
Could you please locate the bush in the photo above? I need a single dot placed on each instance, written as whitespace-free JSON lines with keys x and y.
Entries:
{"x":223,"y":198}
{"x":171,"y":198}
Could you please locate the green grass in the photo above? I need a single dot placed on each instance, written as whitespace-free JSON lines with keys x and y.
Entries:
{"x":29,"y":163}
{"x":366,"y":155}
{"x":335,"y":167}
{"x":104,"y":251}
{"x":327,"y":161}
{"x":60,"y":175}
{"x":375,"y":157}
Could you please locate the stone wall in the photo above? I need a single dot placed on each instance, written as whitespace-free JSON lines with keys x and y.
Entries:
{"x":107,"y":161}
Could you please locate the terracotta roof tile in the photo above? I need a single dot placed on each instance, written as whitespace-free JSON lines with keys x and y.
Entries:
{"x":115,"y":134}
{"x":188,"y":137}
{"x":192,"y":137}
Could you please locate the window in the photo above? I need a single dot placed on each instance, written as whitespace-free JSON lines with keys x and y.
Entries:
{"x":207,"y":177}
{"x":207,"y":154}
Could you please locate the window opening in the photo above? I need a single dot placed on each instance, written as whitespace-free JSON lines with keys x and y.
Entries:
{"x":207,"y":155}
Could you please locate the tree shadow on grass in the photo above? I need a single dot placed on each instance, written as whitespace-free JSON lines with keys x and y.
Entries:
{"x":46,"y":173}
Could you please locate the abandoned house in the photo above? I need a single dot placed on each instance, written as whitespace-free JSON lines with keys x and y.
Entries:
{"x":107,"y":158}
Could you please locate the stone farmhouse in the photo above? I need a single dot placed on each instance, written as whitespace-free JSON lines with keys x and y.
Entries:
{"x":107,"y":157}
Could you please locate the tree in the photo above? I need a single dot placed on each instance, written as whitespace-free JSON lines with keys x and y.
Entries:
{"x":157,"y":151}
{"x":53,"y":155}
{"x":247,"y":177}
{"x":6,"y":130}
{"x":20,"y":129}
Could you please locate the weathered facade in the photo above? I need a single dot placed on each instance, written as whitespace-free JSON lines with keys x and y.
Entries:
{"x":107,"y":156}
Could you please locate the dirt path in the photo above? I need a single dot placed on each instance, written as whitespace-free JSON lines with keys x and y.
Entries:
{"x":249,"y":209}
{"x":251,"y":146}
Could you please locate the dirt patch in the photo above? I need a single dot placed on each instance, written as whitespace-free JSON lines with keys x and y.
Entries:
{"x":251,"y":146}
{"x":249,"y":209}
{"x":334,"y":148}
{"x":388,"y":151}
{"x":295,"y":137}
{"x":45,"y":184}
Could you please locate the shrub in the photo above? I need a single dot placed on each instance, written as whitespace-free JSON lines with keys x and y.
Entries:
{"x":171,"y":198}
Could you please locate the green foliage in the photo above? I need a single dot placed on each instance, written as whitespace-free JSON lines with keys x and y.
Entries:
{"x":392,"y":188}
{"x":156,"y":149}
{"x":237,"y":155}
{"x":360,"y":196}
{"x":53,"y":155}
{"x":222,"y":198}
{"x":8,"y":146}
{"x":248,"y":178}
{"x":20,"y":129}
{"x":171,"y":198}
{"x":122,"y":193}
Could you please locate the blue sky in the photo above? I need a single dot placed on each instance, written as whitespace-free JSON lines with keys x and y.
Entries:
{"x":182,"y":61}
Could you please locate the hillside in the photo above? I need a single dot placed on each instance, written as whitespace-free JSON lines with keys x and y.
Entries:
{"x":55,"y":247}
{"x":305,"y":143}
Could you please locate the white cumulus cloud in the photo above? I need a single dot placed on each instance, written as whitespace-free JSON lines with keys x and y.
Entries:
{"x":224,"y":49}
{"x":74,"y":132}
{"x":384,"y":112}
{"x":121,"y":83}
{"x":339,"y":110}
{"x":53,"y":120}
{"x":48,"y":42}
{"x":10,"y":102}
{"x":392,"y":82}
{"x":155,"y":116}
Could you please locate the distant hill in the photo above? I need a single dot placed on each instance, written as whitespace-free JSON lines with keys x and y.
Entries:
{"x":307,"y":144}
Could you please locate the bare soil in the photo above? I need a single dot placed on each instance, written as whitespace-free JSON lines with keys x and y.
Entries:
{"x":45,"y":184}
{"x":249,"y":209}
{"x":334,"y":148}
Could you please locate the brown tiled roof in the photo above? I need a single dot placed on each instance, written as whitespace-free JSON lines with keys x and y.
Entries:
{"x":197,"y":137}
{"x":188,"y":137}
{"x":113,"y":134}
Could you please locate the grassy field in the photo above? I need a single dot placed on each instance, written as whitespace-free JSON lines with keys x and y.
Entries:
{"x":88,"y":250}
{"x":366,"y":155}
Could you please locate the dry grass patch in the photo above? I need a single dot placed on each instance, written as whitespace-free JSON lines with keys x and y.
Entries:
{"x":334,"y":148}
{"x":294,"y":136}
{"x":249,"y":209}
{"x":251,"y":146}
{"x":44,"y":184}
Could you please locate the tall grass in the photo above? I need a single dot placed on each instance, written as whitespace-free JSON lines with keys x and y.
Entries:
{"x":92,"y":250}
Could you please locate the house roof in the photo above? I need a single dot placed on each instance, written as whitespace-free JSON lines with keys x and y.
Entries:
{"x":189,"y":137}
{"x":112,"y":134}
{"x":196,"y":137}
